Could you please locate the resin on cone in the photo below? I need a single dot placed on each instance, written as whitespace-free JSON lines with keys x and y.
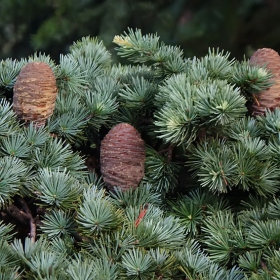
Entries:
{"x":270,"y":98}
{"x":35,"y":93}
{"x":122,"y":157}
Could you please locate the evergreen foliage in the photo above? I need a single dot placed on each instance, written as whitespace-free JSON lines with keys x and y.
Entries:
{"x":208,"y":206}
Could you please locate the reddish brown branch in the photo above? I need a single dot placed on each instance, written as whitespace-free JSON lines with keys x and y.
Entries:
{"x":223,"y":175}
{"x":170,"y":152}
{"x":141,"y":215}
{"x":14,"y":212}
{"x":32,"y":222}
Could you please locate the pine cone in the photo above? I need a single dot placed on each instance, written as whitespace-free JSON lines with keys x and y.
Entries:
{"x":122,"y":157}
{"x":35,"y":93}
{"x":269,"y":98}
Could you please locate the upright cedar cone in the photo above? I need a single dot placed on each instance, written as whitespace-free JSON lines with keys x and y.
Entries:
{"x":35,"y":93}
{"x":122,"y":157}
{"x":269,"y":98}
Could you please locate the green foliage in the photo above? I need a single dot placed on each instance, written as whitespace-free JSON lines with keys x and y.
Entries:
{"x":6,"y":231}
{"x":219,"y":102}
{"x":190,"y":215}
{"x":56,"y":154}
{"x":69,"y":119}
{"x":137,"y":265}
{"x":90,"y":54}
{"x":96,"y":214}
{"x":190,"y":102}
{"x":58,"y":224}
{"x":9,"y":264}
{"x":144,"y":194}
{"x":8,"y":119}
{"x":177,"y":121}
{"x":69,"y":77}
{"x":35,"y":137}
{"x":270,"y":123}
{"x":57,"y":188}
{"x":217,"y":64}
{"x":9,"y":70}
{"x":221,"y":165}
{"x":161,"y":171}
{"x":208,"y":205}
{"x":166,"y":60}
{"x":12,"y":173}
{"x":85,"y":268}
{"x":138,"y":94}
{"x":250,"y":79}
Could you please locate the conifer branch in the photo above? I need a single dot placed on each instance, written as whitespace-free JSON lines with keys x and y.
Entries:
{"x":143,"y":48}
{"x":32,"y":222}
{"x":18,"y":214}
{"x":190,"y":109}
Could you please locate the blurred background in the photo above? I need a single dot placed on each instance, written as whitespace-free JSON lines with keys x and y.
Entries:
{"x":50,"y":26}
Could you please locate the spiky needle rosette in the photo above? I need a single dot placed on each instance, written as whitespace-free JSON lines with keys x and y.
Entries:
{"x":35,"y":93}
{"x":270,"y":98}
{"x":122,"y":157}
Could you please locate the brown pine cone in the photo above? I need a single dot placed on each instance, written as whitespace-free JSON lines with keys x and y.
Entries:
{"x":122,"y":157}
{"x":270,"y":98}
{"x":35,"y":93}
